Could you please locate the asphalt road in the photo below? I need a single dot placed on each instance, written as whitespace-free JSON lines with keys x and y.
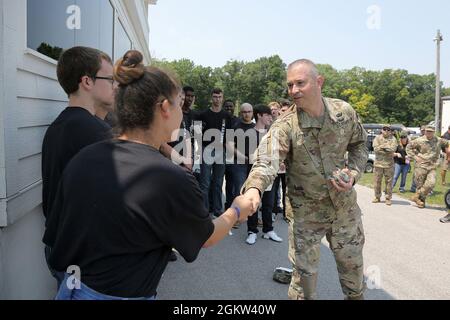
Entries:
{"x":407,"y":256}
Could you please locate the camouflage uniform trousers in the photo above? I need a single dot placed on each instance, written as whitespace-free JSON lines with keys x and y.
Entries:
{"x":388,"y":174}
{"x":425,"y":181}
{"x":344,"y":233}
{"x":445,"y":164}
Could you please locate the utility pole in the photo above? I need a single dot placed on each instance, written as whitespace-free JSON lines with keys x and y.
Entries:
{"x":437,"y":105}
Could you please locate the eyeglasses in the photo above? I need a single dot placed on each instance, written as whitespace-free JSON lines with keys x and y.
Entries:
{"x":111,"y":79}
{"x":246,"y":111}
{"x":387,"y":129}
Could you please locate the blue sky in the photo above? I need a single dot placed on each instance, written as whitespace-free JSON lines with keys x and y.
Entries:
{"x":376,"y":35}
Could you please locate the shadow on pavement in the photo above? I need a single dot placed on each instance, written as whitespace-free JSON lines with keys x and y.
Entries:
{"x":401,"y":203}
{"x":234,"y":270}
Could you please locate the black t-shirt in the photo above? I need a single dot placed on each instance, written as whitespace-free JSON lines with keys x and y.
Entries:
{"x":402,"y":151}
{"x":120,"y":208}
{"x":186,"y":130}
{"x":104,"y":123}
{"x":215,"y":120}
{"x":235,"y":121}
{"x":246,"y":131}
{"x":74,"y":129}
{"x":446,"y":135}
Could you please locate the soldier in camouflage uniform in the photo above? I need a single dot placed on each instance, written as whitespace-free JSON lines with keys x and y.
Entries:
{"x":313,"y":137}
{"x":425,"y":150}
{"x":384,"y":146}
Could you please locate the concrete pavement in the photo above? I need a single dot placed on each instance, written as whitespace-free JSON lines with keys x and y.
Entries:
{"x":407,"y":254}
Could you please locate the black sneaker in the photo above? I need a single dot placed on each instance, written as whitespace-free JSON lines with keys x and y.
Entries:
{"x":173,"y":256}
{"x":445,"y":219}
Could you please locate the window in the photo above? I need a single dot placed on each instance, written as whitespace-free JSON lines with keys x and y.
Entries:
{"x":122,"y":42}
{"x":46,"y":26}
{"x":96,"y":25}
{"x":53,"y":25}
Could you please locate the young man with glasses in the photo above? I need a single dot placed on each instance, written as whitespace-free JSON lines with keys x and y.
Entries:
{"x":212,"y":167}
{"x":105,"y":112}
{"x":86,"y":75}
{"x":384,"y":146}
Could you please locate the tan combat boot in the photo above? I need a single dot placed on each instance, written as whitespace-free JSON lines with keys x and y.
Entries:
{"x":415,"y":197}
{"x":388,"y":202}
{"x":307,"y":289}
{"x":443,"y":173}
{"x":376,"y":200}
{"x":309,"y":285}
{"x":420,"y":204}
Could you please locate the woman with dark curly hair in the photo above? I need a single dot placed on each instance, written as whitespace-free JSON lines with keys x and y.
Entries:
{"x":121,"y":205}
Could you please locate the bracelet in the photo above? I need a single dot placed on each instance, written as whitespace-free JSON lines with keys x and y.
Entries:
{"x":238,"y":212}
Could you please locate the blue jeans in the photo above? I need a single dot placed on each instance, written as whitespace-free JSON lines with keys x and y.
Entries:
{"x":403,"y":170}
{"x":211,"y":176}
{"x":86,"y":293}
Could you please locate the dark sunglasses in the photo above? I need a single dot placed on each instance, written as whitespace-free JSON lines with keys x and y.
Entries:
{"x":387,"y":129}
{"x":403,"y":137}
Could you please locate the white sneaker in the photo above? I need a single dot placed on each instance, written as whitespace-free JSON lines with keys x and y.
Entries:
{"x":251,"y":239}
{"x":230,"y":233}
{"x":272,"y":236}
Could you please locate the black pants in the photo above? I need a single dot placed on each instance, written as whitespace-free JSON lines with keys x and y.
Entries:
{"x":266,"y":212}
{"x":276,"y":185}
{"x":229,"y":186}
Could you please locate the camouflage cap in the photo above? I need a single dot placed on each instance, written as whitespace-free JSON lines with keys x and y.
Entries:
{"x":404,"y":134}
{"x":282,"y":275}
{"x":430,"y":128}
{"x":386,"y":126}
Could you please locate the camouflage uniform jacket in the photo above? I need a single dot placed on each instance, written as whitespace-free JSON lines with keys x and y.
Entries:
{"x":312,"y":152}
{"x":384,"y":151}
{"x":426,"y":152}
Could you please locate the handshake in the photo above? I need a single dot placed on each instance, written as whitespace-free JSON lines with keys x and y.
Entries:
{"x":247,"y":203}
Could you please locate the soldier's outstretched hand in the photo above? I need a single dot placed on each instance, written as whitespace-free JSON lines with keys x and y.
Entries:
{"x":245,"y":206}
{"x":342,"y":184}
{"x":253,"y":195}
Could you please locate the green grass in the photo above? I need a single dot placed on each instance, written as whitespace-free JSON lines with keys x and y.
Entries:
{"x":435,"y":200}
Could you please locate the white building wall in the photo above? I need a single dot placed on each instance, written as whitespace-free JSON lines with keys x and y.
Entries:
{"x":30,"y":99}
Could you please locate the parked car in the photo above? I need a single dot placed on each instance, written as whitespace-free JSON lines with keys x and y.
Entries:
{"x":370,"y":162}
{"x":374,"y":129}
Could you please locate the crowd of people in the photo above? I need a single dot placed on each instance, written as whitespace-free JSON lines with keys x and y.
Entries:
{"x":393,"y":157}
{"x":118,"y":201}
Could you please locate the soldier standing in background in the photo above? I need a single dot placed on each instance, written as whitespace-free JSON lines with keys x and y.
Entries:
{"x":413,"y":183}
{"x":384,"y":146}
{"x":313,"y":136}
{"x":426,"y":150}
